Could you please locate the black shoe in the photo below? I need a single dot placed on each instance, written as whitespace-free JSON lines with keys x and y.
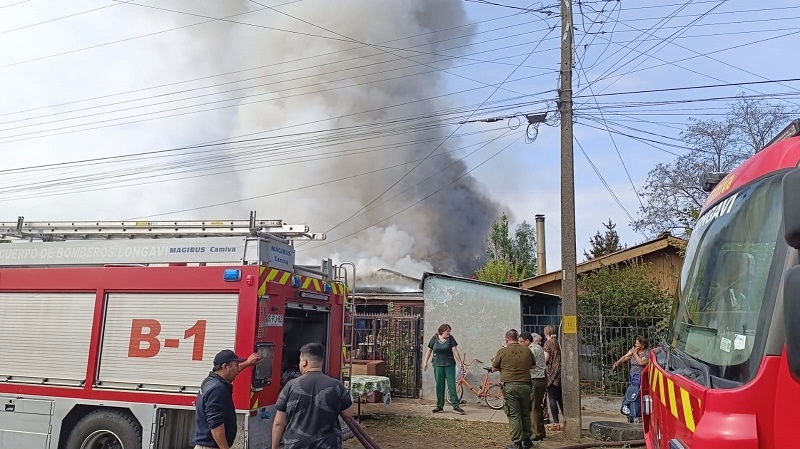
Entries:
{"x":538,"y":438}
{"x":437,"y":410}
{"x":459,"y":410}
{"x":526,"y":443}
{"x":515,"y":446}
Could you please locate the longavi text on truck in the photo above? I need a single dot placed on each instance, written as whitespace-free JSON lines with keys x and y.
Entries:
{"x":729,"y":373}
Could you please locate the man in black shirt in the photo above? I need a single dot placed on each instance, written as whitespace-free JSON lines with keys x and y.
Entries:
{"x":308,"y":407}
{"x":215,"y":417}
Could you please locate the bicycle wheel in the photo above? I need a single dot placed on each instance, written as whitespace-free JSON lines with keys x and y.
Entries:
{"x":494,"y":397}
{"x":460,"y":392}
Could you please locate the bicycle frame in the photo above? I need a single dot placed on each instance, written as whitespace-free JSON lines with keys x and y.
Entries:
{"x":463,"y":380}
{"x":489,"y":391}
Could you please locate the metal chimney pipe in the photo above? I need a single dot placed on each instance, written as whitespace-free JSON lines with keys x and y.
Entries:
{"x":541,"y":255}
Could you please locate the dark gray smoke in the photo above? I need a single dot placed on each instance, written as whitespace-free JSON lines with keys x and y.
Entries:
{"x":446,"y":232}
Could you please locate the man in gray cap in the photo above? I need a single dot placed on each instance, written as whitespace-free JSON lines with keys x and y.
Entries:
{"x":215,"y":417}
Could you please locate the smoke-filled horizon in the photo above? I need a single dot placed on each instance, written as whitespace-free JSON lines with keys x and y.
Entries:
{"x":309,"y":124}
{"x":447,"y":231}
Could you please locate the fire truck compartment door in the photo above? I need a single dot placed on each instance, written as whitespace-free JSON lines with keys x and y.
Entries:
{"x":25,"y":423}
{"x":54,"y":329}
{"x":164,"y":341}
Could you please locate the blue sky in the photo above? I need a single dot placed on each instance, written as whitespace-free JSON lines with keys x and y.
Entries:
{"x":110,"y":56}
{"x":733,"y":23}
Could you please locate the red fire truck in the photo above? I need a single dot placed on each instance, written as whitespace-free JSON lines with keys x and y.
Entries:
{"x":730,"y":372}
{"x":108,"y":329}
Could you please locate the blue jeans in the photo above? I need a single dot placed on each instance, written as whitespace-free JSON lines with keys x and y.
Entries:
{"x":631,"y":406}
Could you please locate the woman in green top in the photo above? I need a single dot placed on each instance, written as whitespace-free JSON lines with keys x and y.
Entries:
{"x":443,"y":346}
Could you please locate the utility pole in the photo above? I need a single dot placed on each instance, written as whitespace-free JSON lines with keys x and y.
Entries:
{"x":569,"y":289}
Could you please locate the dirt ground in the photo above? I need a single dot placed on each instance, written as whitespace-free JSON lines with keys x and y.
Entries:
{"x":418,"y":432}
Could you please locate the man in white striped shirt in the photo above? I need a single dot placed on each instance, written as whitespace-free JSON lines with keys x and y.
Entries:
{"x":538,"y":376}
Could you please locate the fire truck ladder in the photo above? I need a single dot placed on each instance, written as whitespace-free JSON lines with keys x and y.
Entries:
{"x":348,"y":323}
{"x":85,"y":230}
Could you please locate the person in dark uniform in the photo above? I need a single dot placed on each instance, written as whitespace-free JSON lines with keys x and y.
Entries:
{"x":514,"y":362}
{"x":215,"y":416}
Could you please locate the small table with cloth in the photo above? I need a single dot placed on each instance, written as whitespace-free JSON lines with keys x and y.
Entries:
{"x":363,"y":385}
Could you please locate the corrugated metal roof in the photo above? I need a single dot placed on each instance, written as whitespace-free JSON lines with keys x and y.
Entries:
{"x":664,"y":240}
{"x":521,"y":291}
{"x":391,"y":296}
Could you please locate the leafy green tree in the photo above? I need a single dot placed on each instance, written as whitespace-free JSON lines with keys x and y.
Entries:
{"x":606,"y":243}
{"x":509,"y":257}
{"x":497,"y":271}
{"x":615,"y":303}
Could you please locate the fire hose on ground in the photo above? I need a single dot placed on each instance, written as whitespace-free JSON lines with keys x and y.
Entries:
{"x":369,"y":443}
{"x":632,"y":443}
{"x":360,"y":434}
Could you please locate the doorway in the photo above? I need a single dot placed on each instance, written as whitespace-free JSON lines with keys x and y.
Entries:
{"x":303,"y":324}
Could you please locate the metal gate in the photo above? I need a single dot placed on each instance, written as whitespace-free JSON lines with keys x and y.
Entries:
{"x":397,"y":340}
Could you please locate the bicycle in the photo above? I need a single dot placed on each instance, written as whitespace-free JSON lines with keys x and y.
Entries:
{"x":491,"y":392}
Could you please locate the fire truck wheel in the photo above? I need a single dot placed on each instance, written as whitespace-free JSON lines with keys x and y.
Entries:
{"x":106,"y":429}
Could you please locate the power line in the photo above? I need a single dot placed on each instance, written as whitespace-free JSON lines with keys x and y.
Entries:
{"x":119,"y":2}
{"x":674,"y":89}
{"x":288,"y":190}
{"x":246,"y":88}
{"x":542,"y":9}
{"x":14,"y":4}
{"x":604,"y":105}
{"x":328,"y":242}
{"x":233,"y":166}
{"x":58,"y":18}
{"x":313,"y":66}
{"x":377,"y":47}
{"x":706,"y":54}
{"x":616,"y":148}
{"x":244,"y":155}
{"x":325,"y":54}
{"x":212,"y":146}
{"x":650,"y":55}
{"x":445,"y":140}
{"x":455,"y":162}
{"x":637,"y":138}
{"x":214,"y":93}
{"x":661,"y":22}
{"x":602,"y":180}
{"x":343,"y":38}
{"x":642,"y":139}
{"x":39,"y":134}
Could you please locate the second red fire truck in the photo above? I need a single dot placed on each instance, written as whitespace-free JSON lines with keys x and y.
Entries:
{"x":729,"y":374}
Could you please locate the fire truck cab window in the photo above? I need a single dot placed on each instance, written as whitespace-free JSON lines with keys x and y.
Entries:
{"x":728,"y":282}
{"x":301,"y":326}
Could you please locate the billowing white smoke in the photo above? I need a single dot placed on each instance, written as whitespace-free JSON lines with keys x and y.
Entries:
{"x":349,"y":110}
{"x":325,"y":86}
{"x":446,"y":232}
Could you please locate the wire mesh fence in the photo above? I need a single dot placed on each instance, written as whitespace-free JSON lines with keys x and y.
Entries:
{"x":603,"y":340}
